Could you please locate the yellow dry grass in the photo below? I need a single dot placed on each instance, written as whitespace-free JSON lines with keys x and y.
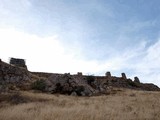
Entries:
{"x":124,"y":105}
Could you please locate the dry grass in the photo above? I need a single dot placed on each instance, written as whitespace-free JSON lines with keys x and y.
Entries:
{"x":124,"y":105}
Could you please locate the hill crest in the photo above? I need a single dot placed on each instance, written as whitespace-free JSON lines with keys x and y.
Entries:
{"x":13,"y":76}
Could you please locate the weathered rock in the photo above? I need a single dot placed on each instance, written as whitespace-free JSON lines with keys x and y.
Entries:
{"x":66,"y":89}
{"x":79,"y":90}
{"x":57,"y":78}
{"x":149,"y":87}
{"x":13,"y":75}
{"x":49,"y":86}
{"x":88,"y":91}
{"x":73,"y":94}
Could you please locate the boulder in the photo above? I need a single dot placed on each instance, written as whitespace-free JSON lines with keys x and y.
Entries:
{"x":88,"y":91}
{"x":73,"y":94}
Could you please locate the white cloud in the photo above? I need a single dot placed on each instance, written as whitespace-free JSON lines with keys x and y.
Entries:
{"x":42,"y":53}
{"x":49,"y":55}
{"x":139,"y":61}
{"x":149,"y":68}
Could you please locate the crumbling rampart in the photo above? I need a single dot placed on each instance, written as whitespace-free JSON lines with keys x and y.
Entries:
{"x":78,"y":84}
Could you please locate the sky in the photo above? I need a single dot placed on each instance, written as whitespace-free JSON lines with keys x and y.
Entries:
{"x":89,"y":36}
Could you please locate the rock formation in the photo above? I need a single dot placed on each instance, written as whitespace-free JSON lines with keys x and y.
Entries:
{"x":13,"y":76}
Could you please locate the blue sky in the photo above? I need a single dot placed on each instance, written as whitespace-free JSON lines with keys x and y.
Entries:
{"x":92,"y":36}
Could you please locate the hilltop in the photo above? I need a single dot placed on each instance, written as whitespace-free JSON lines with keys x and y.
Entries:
{"x":16,"y":76}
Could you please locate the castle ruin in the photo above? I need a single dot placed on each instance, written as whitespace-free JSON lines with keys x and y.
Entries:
{"x":83,"y":85}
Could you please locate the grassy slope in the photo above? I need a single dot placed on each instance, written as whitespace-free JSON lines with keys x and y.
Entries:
{"x":124,"y":105}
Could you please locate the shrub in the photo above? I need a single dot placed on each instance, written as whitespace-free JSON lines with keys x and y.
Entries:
{"x":39,"y":85}
{"x":79,"y":89}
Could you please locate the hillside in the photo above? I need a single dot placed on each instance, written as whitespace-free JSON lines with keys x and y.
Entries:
{"x":121,"y":104}
{"x":47,"y":96}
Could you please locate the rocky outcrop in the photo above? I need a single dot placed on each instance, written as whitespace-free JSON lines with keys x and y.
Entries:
{"x":149,"y":87}
{"x":12,"y":76}
{"x":69,"y":84}
{"x":92,"y":85}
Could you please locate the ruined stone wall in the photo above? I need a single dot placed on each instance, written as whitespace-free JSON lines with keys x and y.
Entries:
{"x":68,"y":84}
{"x":42,"y":74}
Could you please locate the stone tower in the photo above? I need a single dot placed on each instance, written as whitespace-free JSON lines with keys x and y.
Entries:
{"x":124,"y":76}
{"x":108,"y":75}
{"x":136,"y":79}
{"x":18,"y":62}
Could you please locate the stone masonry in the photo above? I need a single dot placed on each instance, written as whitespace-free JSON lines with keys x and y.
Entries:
{"x":124,"y":76}
{"x":18,"y":62}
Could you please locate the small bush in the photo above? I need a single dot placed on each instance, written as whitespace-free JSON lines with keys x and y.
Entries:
{"x":79,"y":89}
{"x":39,"y":85}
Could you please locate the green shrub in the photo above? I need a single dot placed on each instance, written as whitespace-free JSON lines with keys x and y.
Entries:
{"x":39,"y":85}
